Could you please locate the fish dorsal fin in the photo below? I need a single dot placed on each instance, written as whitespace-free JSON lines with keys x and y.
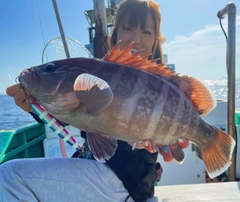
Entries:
{"x":199,"y":93}
{"x":195,"y":90}
{"x":202,"y":97}
{"x":135,"y":60}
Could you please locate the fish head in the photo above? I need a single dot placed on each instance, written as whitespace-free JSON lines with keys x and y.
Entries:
{"x":49,"y":81}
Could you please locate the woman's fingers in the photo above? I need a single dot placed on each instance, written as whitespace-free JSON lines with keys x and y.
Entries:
{"x":21,"y":101}
{"x":12,"y":90}
{"x":19,"y":97}
{"x":183,"y":143}
{"x":148,"y":146}
{"x":166,"y":153}
{"x":170,"y":152}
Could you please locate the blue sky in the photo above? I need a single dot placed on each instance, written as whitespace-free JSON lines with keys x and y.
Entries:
{"x":194,"y":40}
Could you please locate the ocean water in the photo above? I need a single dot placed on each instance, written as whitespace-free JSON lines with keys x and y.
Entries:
{"x":12,"y":116}
{"x":219,"y":89}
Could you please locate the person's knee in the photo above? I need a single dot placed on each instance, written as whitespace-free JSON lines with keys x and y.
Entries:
{"x":9,"y":163}
{"x":7,"y":168}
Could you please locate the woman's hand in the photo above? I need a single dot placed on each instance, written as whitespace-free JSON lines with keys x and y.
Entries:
{"x":165,"y":150}
{"x":20,"y":97}
{"x":174,"y":151}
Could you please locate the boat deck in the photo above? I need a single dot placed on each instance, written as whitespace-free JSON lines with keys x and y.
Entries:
{"x":212,"y":192}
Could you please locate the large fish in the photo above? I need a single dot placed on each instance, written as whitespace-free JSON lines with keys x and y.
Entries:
{"x":127,"y":97}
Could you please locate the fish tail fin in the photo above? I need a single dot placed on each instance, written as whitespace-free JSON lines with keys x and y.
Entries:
{"x":217,"y":155}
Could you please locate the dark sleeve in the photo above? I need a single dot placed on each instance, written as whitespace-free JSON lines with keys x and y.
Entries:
{"x":36,"y":118}
{"x":83,"y":134}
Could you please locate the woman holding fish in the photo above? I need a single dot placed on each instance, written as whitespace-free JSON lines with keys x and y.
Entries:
{"x":127,"y":176}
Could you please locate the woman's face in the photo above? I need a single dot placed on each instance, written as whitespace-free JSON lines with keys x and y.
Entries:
{"x":143,"y":38}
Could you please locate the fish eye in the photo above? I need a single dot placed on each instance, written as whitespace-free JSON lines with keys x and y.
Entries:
{"x":50,"y":67}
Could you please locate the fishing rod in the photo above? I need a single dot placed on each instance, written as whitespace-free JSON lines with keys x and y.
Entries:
{"x":61,"y":29}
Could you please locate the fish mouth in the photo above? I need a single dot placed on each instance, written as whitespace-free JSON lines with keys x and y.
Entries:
{"x":30,"y":80}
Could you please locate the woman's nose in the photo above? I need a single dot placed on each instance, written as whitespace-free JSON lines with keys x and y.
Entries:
{"x":136,"y":37}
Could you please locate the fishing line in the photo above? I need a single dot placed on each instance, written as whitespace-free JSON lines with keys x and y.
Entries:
{"x":9,"y":75}
{"x":11,"y":71}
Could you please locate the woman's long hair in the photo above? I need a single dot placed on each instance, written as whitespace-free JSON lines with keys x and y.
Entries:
{"x":136,"y":12}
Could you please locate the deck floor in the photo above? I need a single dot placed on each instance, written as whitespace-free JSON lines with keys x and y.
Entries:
{"x":212,"y":192}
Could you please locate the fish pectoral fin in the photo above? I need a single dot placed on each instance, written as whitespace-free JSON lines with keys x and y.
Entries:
{"x":102,"y":147}
{"x":64,"y":104}
{"x":94,"y":92}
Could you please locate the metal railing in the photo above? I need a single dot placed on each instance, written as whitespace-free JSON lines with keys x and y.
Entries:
{"x":230,"y":10}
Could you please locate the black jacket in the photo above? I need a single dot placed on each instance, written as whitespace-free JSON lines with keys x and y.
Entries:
{"x":137,"y":169}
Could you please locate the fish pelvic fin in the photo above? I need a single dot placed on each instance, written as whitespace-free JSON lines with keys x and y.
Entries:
{"x":94,"y":92}
{"x":217,"y":155}
{"x":102,"y":147}
{"x":200,"y":95}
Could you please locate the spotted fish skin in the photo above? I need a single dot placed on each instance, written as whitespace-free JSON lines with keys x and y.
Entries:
{"x":146,"y":107}
{"x":131,"y":99}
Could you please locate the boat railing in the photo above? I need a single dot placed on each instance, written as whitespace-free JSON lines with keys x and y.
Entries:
{"x":25,"y":141}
